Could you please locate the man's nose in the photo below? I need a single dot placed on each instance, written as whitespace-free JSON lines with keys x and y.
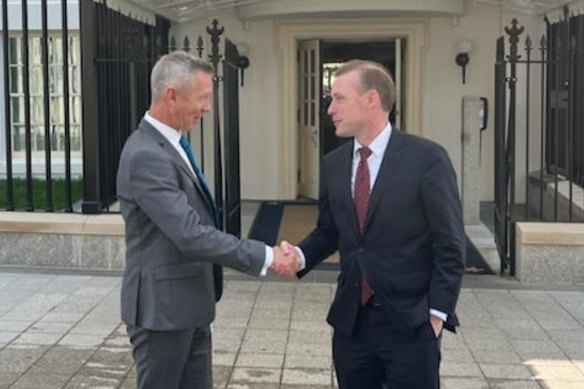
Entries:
{"x":330,"y":109}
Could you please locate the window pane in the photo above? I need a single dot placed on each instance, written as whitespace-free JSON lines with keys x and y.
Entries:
{"x":39,"y":138}
{"x":37,"y":112}
{"x":15,"y":51}
{"x":75,"y":110}
{"x":15,"y":79}
{"x":57,"y":110}
{"x":37,"y":98}
{"x":36,"y":80}
{"x":74,"y":80}
{"x":17,"y":110}
{"x":74,"y":50}
{"x":34,"y":51}
{"x":75,"y":138}
{"x":60,"y":137}
{"x":18,"y":138}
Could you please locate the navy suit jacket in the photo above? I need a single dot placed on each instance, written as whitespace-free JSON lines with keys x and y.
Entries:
{"x":412,"y":249}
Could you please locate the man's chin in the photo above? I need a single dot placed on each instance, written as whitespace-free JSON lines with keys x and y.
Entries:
{"x":342,"y":133}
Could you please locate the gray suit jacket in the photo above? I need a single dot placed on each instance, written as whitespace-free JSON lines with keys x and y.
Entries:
{"x":171,"y":241}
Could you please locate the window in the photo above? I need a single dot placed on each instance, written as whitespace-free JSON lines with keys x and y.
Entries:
{"x":57,"y":101}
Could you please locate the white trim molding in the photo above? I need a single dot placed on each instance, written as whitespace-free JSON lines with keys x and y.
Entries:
{"x":575,"y":8}
{"x":287,"y":35}
{"x":348,"y":8}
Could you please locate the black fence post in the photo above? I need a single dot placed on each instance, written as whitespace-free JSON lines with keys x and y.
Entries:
{"x":231,"y":128}
{"x":46,"y":106}
{"x":199,"y":49}
{"x":91,"y":185}
{"x":26,"y":88}
{"x":514,"y":31}
{"x":215,"y":32}
{"x":7,"y":116}
{"x":500,"y":164}
{"x":67,"y":116}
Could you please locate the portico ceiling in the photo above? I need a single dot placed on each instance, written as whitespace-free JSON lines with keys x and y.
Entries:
{"x":186,"y":10}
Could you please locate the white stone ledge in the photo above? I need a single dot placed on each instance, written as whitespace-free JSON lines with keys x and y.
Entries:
{"x":62,"y":223}
{"x":550,"y":253}
{"x":570,"y":234}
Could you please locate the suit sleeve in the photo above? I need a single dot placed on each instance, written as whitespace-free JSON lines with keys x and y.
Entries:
{"x":156,"y":191}
{"x":323,"y":240}
{"x":442,"y":205}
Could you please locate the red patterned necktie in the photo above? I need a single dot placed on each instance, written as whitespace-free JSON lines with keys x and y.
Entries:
{"x":362,"y":191}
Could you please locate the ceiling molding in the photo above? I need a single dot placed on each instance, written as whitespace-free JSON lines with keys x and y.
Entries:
{"x":187,"y":10}
{"x":320,"y":8}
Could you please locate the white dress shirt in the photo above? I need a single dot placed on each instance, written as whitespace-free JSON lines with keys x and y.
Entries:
{"x":377,"y":147}
{"x":173,"y":137}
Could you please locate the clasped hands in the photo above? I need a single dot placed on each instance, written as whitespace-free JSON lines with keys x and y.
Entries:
{"x":287,"y":261}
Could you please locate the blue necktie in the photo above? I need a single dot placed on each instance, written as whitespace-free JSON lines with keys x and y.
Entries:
{"x":187,"y":148}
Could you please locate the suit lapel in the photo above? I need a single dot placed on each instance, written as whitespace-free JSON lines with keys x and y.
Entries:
{"x":388,"y":166}
{"x":166,"y":146}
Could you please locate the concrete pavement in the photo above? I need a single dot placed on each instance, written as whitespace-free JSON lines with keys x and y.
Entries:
{"x":63,"y":331}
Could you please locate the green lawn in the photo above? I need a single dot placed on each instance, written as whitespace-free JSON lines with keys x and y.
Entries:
{"x":39,"y":193}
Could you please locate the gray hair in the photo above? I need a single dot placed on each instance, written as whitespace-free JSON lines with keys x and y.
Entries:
{"x":176,"y":69}
{"x":372,"y":76}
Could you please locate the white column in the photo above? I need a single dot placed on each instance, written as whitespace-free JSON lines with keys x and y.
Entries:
{"x":472,"y":119}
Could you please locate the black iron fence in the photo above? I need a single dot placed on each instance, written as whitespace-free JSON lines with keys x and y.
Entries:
{"x":539,"y":130}
{"x":231,"y":116}
{"x":105,"y":63}
{"x":41,"y":127}
{"x":117,"y":53}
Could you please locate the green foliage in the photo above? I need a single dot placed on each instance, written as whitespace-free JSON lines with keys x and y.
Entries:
{"x":19,"y":186}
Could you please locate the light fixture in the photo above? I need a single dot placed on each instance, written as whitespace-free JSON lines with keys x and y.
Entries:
{"x":462,"y":58}
{"x":243,"y":61}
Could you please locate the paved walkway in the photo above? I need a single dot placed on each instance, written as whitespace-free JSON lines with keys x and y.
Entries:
{"x":63,"y":331}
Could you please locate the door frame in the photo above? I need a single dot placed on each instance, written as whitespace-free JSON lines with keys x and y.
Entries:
{"x":309,"y":168}
{"x":287,"y":35}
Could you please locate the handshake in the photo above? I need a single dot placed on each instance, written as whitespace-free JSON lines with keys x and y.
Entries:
{"x":287,"y":261}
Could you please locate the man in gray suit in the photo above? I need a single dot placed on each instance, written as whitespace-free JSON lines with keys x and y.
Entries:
{"x":174,"y":250}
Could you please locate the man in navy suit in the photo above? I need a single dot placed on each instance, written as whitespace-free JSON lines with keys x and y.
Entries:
{"x":389,"y":204}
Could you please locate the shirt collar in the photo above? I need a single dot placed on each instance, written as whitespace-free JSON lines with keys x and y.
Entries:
{"x":378,"y":145}
{"x":168,"y":132}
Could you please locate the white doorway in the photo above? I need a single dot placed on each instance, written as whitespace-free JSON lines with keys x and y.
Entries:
{"x":309,"y":100}
{"x":289,"y":33}
{"x":317,"y":61}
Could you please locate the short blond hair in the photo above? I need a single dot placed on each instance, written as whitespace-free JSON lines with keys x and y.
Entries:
{"x":372,"y":75}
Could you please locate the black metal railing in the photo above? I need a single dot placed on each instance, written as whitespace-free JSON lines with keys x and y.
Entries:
{"x":231,"y":117}
{"x":118,"y":53}
{"x":39,"y":94}
{"x":539,"y":130}
{"x":105,"y":64}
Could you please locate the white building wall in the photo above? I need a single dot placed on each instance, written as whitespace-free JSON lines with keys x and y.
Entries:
{"x":442,"y":89}
{"x":482,"y":25}
{"x":258,"y":103}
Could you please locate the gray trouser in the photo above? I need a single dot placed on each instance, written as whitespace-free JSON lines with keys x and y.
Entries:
{"x":172,"y":359}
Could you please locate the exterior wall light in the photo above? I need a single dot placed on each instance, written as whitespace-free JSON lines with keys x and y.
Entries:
{"x":462,"y":58}
{"x":243,"y":61}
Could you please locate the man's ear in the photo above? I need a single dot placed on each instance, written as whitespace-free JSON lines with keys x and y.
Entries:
{"x":170,"y":95}
{"x":373,"y":99}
